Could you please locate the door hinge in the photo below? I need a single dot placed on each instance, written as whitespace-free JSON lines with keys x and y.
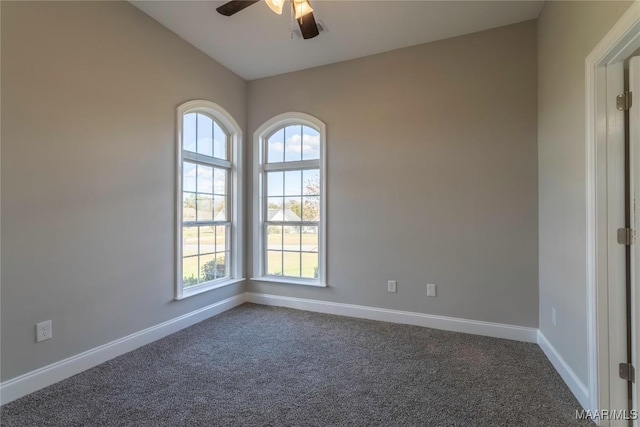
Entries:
{"x":626,"y":236}
{"x":624,"y":101}
{"x":627,"y":372}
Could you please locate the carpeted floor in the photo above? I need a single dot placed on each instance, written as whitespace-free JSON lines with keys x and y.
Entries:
{"x":267,"y":366}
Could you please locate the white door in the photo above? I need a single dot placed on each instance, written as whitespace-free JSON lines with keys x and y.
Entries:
{"x":634,"y":143}
{"x":618,"y":393}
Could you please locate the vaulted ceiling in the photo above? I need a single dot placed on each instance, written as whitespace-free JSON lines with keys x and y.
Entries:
{"x":257,"y":43}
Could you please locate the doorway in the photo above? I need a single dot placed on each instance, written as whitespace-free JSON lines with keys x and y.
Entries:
{"x":613,"y":257}
{"x":632,"y":136}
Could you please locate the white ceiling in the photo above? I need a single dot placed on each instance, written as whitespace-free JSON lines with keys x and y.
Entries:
{"x":257,"y":43}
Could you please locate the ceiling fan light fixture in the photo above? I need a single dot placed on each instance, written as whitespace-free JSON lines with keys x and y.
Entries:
{"x":275,"y":5}
{"x":301,"y":8}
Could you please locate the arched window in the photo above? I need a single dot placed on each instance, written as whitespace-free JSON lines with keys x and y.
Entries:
{"x":289,"y":200}
{"x":208,"y":238}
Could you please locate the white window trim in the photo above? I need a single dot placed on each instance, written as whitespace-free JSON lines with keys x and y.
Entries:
{"x":285,"y":119}
{"x":237,"y":250}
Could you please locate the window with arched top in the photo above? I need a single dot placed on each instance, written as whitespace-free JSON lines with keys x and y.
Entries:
{"x":289,"y":200}
{"x":209,"y":193}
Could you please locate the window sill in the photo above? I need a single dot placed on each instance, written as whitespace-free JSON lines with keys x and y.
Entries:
{"x":289,"y":281}
{"x":195,"y":290}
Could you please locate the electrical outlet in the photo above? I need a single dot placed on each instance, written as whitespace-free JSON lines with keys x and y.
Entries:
{"x":554,"y":319}
{"x":431,"y":290}
{"x":392,"y":286}
{"x":44,"y":331}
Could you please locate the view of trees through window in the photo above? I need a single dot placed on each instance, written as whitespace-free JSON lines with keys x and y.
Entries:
{"x":205,"y":200}
{"x":292,"y":210}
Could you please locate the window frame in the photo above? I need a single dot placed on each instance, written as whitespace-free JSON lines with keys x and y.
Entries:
{"x":260,"y":167}
{"x":234,"y":188}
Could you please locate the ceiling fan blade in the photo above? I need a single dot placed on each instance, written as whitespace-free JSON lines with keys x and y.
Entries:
{"x":235,"y":6}
{"x":308,"y":26}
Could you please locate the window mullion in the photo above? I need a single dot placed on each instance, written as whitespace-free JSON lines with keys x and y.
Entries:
{"x":205,"y":223}
{"x":205,"y":160}
{"x":294,"y":223}
{"x":296,"y":165}
{"x":198,"y":258}
{"x":264,"y":254}
{"x":196,"y":133}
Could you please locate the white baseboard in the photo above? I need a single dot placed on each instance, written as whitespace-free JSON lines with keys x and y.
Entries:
{"x":43,"y":377}
{"x":48,"y":375}
{"x":497,"y":330}
{"x":576,"y":386}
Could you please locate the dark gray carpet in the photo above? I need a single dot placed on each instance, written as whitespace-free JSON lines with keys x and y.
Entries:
{"x":267,"y":366}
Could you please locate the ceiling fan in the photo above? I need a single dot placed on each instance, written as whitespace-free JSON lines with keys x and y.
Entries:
{"x":302,"y":9}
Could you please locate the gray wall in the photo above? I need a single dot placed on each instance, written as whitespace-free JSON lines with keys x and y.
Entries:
{"x":89,"y":97}
{"x":567,"y":32}
{"x":432,"y":174}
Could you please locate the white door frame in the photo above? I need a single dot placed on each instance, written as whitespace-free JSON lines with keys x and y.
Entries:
{"x":634,"y":136}
{"x":619,"y":43}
